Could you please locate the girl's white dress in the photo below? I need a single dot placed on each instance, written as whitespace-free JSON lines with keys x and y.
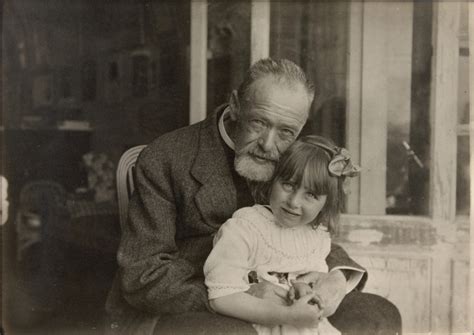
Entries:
{"x":252,"y":241}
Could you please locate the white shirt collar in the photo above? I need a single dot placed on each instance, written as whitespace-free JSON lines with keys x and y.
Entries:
{"x":222,"y":130}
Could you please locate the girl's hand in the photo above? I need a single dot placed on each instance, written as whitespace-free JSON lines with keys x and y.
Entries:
{"x":312,"y":277}
{"x":304,"y":314}
{"x":269,"y":291}
{"x":297,"y":290}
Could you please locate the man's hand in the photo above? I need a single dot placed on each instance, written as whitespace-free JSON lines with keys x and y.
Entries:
{"x":303,"y":313}
{"x":269,"y":291}
{"x":330,"y":287}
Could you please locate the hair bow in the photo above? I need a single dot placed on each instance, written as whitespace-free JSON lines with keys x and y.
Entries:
{"x":341,"y":164}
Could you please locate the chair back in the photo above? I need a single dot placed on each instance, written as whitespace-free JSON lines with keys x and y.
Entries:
{"x":125,"y":180}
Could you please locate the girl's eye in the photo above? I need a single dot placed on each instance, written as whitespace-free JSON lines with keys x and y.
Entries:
{"x":311,"y":195}
{"x":287,"y":186}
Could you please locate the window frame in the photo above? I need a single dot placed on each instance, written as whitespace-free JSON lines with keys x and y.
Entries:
{"x":443,"y":99}
{"x":437,"y":240}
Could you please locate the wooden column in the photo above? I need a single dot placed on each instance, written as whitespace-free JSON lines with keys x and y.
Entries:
{"x":353,"y":110}
{"x":374,"y":109}
{"x":198,"y":63}
{"x":444,"y":93}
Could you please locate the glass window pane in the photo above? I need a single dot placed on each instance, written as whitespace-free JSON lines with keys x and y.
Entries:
{"x":463,"y":155}
{"x":83,"y":77}
{"x":228,"y":49}
{"x":315,"y":36}
{"x":89,"y":80}
{"x":160,"y":67}
{"x":140,"y":64}
{"x":409,"y":75}
{"x":463,"y":96}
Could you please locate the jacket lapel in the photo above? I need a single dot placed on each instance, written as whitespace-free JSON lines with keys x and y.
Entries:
{"x":216,"y":198}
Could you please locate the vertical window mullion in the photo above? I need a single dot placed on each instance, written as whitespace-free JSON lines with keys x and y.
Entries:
{"x":444,"y":95}
{"x":260,"y":30}
{"x":353,"y":110}
{"x":373,"y":110}
{"x":471,"y":142}
{"x":198,"y":62}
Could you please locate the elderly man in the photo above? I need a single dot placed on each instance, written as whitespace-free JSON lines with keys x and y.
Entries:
{"x":188,"y":182}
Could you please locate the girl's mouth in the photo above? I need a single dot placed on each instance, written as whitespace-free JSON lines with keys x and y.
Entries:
{"x":289,"y":212}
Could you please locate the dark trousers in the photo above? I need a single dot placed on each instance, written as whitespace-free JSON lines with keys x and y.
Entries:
{"x":359,"y":313}
{"x":366,"y":314}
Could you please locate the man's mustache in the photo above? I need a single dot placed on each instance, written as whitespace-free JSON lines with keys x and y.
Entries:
{"x":271,"y":156}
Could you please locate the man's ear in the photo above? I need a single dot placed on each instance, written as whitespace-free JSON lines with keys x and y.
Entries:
{"x":234,"y":105}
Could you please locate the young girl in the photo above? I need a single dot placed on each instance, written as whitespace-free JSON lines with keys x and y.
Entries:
{"x":283,"y":241}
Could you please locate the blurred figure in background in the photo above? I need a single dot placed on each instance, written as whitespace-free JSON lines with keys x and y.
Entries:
{"x":4,"y":207}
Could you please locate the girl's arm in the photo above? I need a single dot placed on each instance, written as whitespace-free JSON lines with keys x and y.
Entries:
{"x":248,"y":308}
{"x":226,"y":271}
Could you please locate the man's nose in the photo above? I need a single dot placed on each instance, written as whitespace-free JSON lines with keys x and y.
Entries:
{"x":267,"y":140}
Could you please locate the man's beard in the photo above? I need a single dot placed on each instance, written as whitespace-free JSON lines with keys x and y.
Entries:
{"x":251,"y":170}
{"x":248,"y":168}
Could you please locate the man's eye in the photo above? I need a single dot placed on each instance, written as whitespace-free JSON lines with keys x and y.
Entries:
{"x":287,"y":133}
{"x":257,"y":123}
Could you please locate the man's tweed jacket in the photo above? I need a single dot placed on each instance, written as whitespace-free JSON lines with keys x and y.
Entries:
{"x":184,"y":192}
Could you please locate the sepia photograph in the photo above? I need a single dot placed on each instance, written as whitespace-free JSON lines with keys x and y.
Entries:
{"x":236,"y":167}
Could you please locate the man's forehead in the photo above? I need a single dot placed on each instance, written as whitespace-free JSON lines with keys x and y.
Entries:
{"x":268,"y":94}
{"x":268,"y":86}
{"x":281,"y":115}
{"x":272,"y":82}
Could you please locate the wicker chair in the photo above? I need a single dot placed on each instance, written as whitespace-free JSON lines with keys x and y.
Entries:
{"x":125,"y":180}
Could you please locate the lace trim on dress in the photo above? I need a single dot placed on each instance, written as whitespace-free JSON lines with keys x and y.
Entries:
{"x":262,"y":210}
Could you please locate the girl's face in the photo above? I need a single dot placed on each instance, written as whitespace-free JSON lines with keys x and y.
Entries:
{"x":294,"y":206}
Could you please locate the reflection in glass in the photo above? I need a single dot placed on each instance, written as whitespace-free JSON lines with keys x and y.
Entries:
{"x":65,"y":82}
{"x":99,"y":56}
{"x":303,"y":33}
{"x":463,"y":177}
{"x":463,"y":155}
{"x":89,"y":80}
{"x":140,"y":75}
{"x":228,"y":49}
{"x":463,"y":73}
{"x":463,"y":88}
{"x":408,"y":144}
{"x":315,"y":36}
{"x":165,"y":74}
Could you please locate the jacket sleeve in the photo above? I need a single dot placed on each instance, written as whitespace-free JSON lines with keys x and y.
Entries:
{"x":153,"y":276}
{"x":338,"y":259}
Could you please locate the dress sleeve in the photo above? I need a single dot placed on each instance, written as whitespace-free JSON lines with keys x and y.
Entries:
{"x":227,"y":267}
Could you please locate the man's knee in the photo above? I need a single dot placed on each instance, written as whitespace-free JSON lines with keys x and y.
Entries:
{"x":365,"y":313}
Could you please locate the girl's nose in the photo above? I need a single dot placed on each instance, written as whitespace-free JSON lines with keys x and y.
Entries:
{"x":294,"y":200}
